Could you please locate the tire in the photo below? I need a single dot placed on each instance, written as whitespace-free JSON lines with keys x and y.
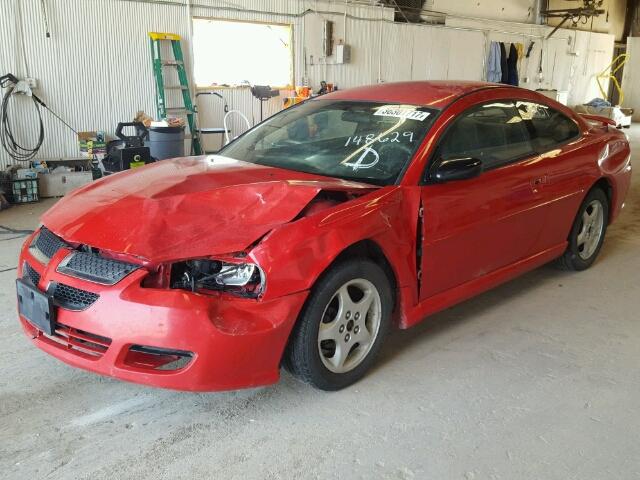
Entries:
{"x":587,"y":233}
{"x":323,"y":349}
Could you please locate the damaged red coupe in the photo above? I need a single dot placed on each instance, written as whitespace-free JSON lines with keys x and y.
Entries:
{"x":307,"y":238}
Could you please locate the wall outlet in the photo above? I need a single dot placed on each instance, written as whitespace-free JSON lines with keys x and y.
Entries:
{"x":32,"y":82}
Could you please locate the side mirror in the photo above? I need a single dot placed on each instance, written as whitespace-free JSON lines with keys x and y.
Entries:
{"x":447,"y":170}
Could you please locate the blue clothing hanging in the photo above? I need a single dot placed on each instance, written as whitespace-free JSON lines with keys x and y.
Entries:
{"x":494,"y":71}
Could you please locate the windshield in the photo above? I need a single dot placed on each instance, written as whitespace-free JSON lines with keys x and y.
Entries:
{"x":363,"y":141}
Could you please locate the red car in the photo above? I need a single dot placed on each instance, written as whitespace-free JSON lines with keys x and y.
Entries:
{"x":309,"y":236}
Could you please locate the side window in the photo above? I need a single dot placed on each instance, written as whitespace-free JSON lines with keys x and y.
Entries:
{"x":549,"y":127}
{"x":493,"y":133}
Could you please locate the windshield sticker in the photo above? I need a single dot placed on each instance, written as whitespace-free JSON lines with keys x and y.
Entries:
{"x":394,"y":137}
{"x":360,"y":163}
{"x":400,"y":112}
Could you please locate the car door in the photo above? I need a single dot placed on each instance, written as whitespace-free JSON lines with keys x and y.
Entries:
{"x":558,"y":140}
{"x":476,"y":226}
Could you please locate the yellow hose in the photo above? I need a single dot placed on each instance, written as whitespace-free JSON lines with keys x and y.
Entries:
{"x":609,"y":73}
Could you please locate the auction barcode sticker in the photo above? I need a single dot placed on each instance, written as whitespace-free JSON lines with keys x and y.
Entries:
{"x":401,"y":112}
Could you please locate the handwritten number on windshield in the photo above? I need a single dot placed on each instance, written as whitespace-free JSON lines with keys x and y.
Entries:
{"x":395,"y":137}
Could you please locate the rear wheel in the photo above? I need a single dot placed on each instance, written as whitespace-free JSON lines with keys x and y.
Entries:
{"x":342,"y":326}
{"x":587,"y":233}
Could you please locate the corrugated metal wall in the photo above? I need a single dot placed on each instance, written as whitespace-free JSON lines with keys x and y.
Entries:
{"x":95,"y":70}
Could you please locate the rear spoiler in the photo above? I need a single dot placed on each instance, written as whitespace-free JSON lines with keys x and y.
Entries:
{"x":598,"y":118}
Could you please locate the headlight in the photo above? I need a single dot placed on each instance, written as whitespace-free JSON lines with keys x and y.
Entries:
{"x":238,"y":275}
{"x":200,"y":275}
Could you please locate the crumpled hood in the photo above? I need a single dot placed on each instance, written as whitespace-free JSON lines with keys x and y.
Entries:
{"x":186,"y":207}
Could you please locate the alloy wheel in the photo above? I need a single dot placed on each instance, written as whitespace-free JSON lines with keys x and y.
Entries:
{"x":591,"y":230}
{"x":350,"y":325}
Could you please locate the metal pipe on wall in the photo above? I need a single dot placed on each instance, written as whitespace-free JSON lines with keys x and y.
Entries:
{"x":380,"y":48}
{"x":304,"y":51}
{"x":344,"y":27}
{"x":538,"y":7}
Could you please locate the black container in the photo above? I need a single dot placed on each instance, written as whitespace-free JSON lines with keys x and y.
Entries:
{"x":166,"y":142}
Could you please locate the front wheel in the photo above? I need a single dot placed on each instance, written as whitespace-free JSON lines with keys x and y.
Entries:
{"x":342,"y":326}
{"x":587,"y":233}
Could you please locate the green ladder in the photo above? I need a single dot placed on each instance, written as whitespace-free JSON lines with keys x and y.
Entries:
{"x":159,"y":64}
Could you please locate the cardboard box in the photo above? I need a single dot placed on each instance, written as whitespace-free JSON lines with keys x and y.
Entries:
{"x":92,"y":143}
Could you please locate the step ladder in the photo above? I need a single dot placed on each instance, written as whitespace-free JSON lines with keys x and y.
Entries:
{"x":157,"y":39}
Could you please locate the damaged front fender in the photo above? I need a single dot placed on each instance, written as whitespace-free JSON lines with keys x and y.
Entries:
{"x":294,"y":255}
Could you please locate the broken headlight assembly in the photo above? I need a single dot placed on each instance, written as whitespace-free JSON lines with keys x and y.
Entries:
{"x":202,"y":275}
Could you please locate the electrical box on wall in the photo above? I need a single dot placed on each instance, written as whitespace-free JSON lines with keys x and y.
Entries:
{"x":343,"y":53}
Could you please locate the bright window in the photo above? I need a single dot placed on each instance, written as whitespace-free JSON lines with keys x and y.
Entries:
{"x":234,"y":53}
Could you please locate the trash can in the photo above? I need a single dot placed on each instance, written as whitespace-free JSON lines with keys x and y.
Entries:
{"x":166,"y":142}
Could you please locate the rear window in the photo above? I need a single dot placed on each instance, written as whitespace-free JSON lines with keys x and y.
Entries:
{"x":493,"y":133}
{"x":549,"y":127}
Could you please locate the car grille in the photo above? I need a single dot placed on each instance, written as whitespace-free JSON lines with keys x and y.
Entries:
{"x":29,"y":272}
{"x":91,"y":267}
{"x":47,"y":244}
{"x":65,"y":296}
{"x":82,"y":343}
{"x":72,"y":298}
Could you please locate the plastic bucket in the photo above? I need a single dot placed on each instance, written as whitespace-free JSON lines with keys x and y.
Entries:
{"x":166,"y":142}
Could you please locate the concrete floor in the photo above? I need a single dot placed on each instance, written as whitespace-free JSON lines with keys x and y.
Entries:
{"x":537,"y":379}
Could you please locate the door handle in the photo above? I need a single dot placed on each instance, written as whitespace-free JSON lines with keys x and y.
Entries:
{"x":539,"y":181}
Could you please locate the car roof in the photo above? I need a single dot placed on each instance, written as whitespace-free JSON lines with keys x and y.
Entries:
{"x":435,"y":94}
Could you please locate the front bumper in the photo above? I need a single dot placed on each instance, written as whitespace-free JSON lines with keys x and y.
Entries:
{"x":235,"y":342}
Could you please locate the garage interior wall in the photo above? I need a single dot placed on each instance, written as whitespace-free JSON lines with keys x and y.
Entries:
{"x":631,"y":77}
{"x":95,"y":70}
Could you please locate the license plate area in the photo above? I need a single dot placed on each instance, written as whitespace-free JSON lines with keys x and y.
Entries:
{"x":36,"y":307}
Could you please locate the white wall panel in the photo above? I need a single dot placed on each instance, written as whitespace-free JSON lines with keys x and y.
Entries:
{"x":436,"y":53}
{"x":397,"y":46}
{"x":467,"y":52}
{"x":424,"y":57}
